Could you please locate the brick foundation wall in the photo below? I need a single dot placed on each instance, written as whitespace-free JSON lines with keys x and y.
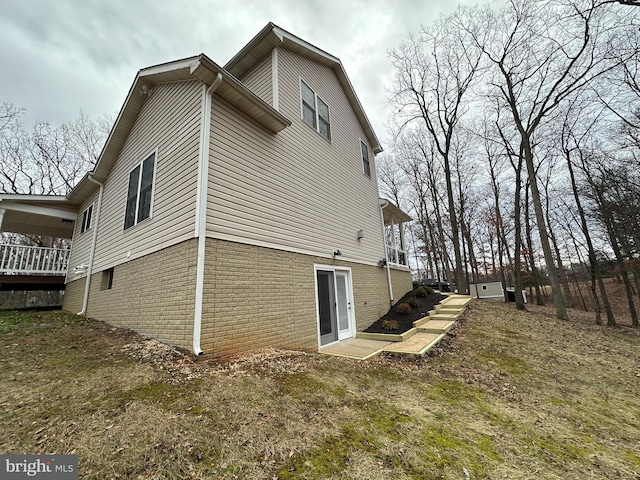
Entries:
{"x":257,"y":297}
{"x":73,"y":296}
{"x":153,"y":295}
{"x":254,"y":297}
{"x":401,"y":281}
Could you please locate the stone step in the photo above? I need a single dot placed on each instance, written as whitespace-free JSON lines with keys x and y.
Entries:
{"x":418,"y":344}
{"x":436,"y":326}
{"x":443,"y":316}
{"x":417,"y":323}
{"x":453,"y":312}
{"x":449,"y":309}
{"x":456,"y":300}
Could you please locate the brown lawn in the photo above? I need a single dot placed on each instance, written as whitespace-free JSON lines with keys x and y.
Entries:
{"x":510,"y":395}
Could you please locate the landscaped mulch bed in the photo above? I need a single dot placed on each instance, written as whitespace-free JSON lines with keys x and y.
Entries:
{"x":405,"y":322}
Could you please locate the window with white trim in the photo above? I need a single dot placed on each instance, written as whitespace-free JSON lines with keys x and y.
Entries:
{"x":87,"y":216}
{"x":315,"y":112}
{"x":366,"y":166}
{"x":140,"y":192}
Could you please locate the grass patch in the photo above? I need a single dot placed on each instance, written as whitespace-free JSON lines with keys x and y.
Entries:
{"x":504,"y":362}
{"x":494,"y":404}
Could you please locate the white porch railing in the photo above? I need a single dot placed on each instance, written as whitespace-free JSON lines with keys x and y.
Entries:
{"x":27,"y":260}
{"x":395,"y":256}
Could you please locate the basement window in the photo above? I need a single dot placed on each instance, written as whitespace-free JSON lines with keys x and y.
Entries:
{"x":106,"y":282}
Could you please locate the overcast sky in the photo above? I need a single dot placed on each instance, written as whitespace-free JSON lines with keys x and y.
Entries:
{"x":58,"y":57}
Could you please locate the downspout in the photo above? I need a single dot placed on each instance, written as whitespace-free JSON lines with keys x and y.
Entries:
{"x":87,"y":283}
{"x":201,"y":209}
{"x":386,"y":256}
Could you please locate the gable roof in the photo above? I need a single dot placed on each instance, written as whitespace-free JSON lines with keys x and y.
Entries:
{"x":198,"y":67}
{"x":206,"y":70}
{"x":272,"y":36}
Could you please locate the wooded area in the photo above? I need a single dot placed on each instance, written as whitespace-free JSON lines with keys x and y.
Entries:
{"x":517,"y":148}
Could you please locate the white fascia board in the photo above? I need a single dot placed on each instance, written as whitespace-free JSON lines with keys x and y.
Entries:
{"x":40,"y":210}
{"x":186,"y":63}
{"x":284,"y":35}
{"x":32,"y":198}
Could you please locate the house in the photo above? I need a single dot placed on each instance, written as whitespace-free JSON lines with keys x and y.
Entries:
{"x":232,"y":208}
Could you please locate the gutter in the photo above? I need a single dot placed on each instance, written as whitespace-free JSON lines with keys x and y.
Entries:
{"x":201,"y":208}
{"x":384,"y":244}
{"x":87,"y":284}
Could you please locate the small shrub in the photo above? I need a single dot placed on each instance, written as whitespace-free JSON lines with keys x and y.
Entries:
{"x":423,"y":291}
{"x":390,"y":324}
{"x":416,"y":284}
{"x":413,"y":302}
{"x":403,"y":309}
{"x":420,"y":292}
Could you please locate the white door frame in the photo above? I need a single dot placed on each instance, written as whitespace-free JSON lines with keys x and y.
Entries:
{"x":351,"y":332}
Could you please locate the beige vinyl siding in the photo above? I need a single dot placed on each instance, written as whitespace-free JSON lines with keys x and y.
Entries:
{"x":258,"y":80}
{"x":169,"y":124}
{"x":81,"y":242}
{"x":295,"y":190}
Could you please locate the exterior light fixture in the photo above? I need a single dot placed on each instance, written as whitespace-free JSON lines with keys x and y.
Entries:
{"x":80,"y":269}
{"x":360,"y":234}
{"x":337,"y":253}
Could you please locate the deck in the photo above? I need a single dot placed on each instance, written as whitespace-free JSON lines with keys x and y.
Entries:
{"x":25,"y":267}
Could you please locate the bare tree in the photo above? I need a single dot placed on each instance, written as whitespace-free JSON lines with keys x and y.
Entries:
{"x":47,"y":160}
{"x":544,"y":52}
{"x":574,"y":133}
{"x":433,"y":74}
{"x":609,"y":188}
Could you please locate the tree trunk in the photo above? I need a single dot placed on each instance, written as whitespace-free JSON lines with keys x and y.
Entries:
{"x":455,"y":231}
{"x":623,"y":271}
{"x":532,"y":262}
{"x":558,"y":301}
{"x":517,"y":270}
{"x":594,"y":269}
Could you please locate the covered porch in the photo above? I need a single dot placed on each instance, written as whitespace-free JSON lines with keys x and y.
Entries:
{"x":394,"y":219}
{"x":35,"y":267}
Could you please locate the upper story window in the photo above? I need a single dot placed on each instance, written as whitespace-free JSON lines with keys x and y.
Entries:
{"x":315,"y":112}
{"x":87,"y":216}
{"x":366,"y":166}
{"x":140,"y":192}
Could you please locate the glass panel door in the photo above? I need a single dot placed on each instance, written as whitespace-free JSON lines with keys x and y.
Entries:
{"x":343,"y":305}
{"x":326,"y":307}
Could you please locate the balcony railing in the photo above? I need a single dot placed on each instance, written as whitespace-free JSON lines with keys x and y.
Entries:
{"x":27,"y":260}
{"x":395,"y":256}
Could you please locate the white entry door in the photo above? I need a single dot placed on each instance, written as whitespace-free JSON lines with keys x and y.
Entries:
{"x":343,"y":305}
{"x":335,"y":312}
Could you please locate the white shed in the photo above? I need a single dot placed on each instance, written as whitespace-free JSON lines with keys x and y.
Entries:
{"x":490,"y":289}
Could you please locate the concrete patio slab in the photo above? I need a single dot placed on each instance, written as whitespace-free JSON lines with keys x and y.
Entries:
{"x":358,"y":348}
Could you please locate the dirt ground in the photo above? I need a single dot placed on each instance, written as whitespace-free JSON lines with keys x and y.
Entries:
{"x":509,"y":395}
{"x":581,"y":297}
